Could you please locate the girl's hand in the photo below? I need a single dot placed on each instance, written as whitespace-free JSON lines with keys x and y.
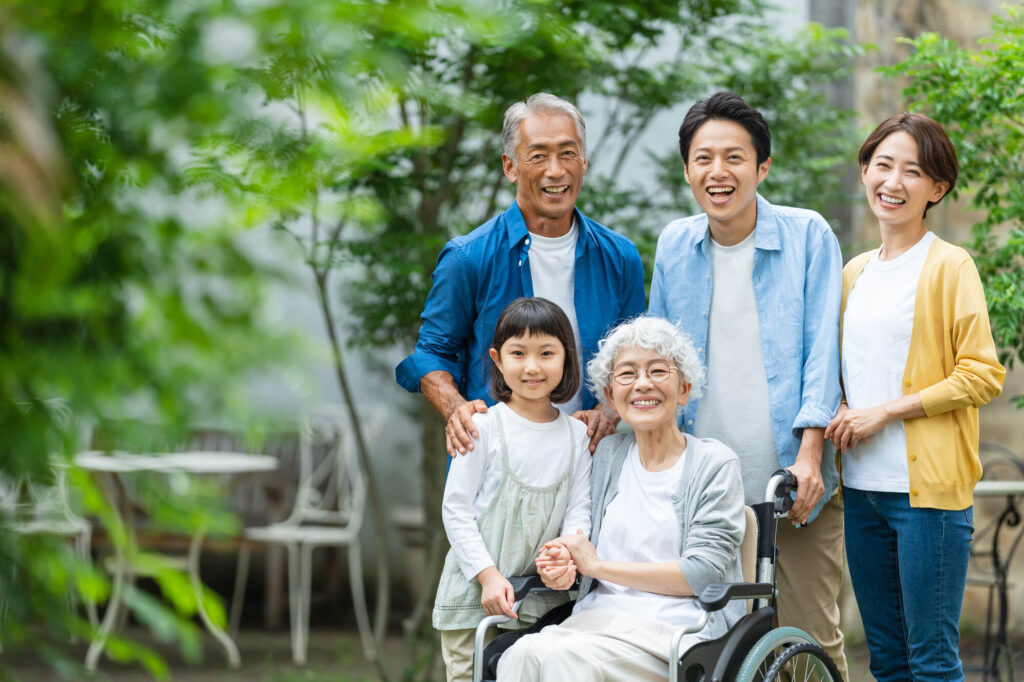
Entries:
{"x":497,"y":597}
{"x":584,"y":554}
{"x":850,"y":427}
{"x":555,"y":566}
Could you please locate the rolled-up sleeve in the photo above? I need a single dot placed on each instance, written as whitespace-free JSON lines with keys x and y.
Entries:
{"x":445,"y":325}
{"x":820,"y":389}
{"x":716,"y":531}
{"x":977,"y":375}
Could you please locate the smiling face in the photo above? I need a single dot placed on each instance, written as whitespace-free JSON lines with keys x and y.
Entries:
{"x":723,"y":173}
{"x":898,"y":191}
{"x":548,"y":171}
{"x":532,"y":367}
{"x":646,"y":404}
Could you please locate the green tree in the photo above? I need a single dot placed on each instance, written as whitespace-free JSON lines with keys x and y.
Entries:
{"x":115,"y":297}
{"x":976,"y":94}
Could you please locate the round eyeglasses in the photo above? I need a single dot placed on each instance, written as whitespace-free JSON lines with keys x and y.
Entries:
{"x":657,"y":373}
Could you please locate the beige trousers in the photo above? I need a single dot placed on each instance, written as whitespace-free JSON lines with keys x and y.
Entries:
{"x":809,"y":571}
{"x":457,"y":653}
{"x":593,"y":646}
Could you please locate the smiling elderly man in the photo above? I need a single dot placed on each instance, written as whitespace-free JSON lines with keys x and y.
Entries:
{"x":541,"y":246}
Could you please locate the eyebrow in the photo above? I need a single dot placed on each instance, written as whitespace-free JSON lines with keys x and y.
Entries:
{"x":889,"y":158}
{"x":563,"y":143}
{"x":728,"y":149}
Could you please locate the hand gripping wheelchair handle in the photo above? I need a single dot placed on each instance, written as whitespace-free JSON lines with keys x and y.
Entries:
{"x":523,"y":585}
{"x":780,"y":489}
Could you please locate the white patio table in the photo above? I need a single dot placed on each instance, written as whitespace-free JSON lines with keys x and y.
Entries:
{"x":117,"y":464}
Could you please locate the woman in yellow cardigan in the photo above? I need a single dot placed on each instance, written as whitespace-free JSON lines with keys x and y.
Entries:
{"x":917,"y":361}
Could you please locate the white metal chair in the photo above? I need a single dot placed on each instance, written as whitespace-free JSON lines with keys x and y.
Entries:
{"x":328,"y":512}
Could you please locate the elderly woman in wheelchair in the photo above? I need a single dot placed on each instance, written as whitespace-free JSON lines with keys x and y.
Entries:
{"x":667,"y":523}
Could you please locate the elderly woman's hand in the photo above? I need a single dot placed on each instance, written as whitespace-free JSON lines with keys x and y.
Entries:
{"x":555,"y":566}
{"x":583,"y":553}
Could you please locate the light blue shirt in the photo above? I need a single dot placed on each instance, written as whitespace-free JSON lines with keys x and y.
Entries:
{"x":797,"y":286}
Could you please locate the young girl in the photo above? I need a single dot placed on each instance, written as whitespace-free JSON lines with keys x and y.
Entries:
{"x":526,"y":482}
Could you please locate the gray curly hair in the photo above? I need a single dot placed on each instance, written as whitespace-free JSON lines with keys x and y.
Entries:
{"x":653,"y":334}
{"x":540,"y":103}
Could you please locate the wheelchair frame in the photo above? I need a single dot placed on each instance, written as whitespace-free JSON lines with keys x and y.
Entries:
{"x":751,"y":651}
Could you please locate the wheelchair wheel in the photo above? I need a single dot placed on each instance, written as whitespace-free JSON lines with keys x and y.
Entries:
{"x":803,"y":663}
{"x":766,"y":650}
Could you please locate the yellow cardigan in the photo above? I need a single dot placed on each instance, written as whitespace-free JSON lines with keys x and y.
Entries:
{"x":952,"y":365}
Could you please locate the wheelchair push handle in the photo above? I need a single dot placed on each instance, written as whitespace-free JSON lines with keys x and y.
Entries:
{"x":780,"y":490}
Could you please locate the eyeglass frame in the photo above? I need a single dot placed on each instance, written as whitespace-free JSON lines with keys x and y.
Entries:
{"x":647,"y":371}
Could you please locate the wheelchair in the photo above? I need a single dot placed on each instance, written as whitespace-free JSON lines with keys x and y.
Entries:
{"x":753,"y":650}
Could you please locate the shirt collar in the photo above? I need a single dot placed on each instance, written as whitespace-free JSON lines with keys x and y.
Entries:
{"x":515,"y":228}
{"x":766,"y":229}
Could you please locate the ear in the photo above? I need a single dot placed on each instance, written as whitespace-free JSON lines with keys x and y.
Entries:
{"x":586,"y":165}
{"x":608,"y":399}
{"x":762,"y":173}
{"x":509,"y":167}
{"x":684,"y":393}
{"x":863,"y":173}
{"x":686,"y":172}
{"x":939,"y":191}
{"x":495,"y":357}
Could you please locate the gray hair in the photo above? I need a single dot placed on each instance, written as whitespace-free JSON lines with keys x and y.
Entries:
{"x":540,"y":103}
{"x":653,"y":334}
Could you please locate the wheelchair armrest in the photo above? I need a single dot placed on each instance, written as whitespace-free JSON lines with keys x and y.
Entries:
{"x":524,"y":584}
{"x":717,"y":595}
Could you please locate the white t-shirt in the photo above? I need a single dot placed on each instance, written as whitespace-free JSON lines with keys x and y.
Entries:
{"x":552,"y":271}
{"x":641,"y":525}
{"x":877,"y":324}
{"x":734,"y":407}
{"x":538,"y":455}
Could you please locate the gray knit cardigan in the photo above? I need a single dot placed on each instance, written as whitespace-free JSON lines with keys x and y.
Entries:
{"x":709,"y":506}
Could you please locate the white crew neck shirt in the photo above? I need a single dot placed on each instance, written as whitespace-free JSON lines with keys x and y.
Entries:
{"x":552,"y":271}
{"x":877,"y":325}
{"x":641,"y":525}
{"x":734,"y":407}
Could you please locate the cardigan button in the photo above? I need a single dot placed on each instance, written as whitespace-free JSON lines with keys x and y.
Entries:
{"x":907,"y":382}
{"x":913,"y":458}
{"x":914,"y":492}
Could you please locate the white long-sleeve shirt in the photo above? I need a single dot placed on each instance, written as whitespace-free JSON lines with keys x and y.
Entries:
{"x":538,"y":455}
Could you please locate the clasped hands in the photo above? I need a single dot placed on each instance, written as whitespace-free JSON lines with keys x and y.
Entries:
{"x":563,"y":558}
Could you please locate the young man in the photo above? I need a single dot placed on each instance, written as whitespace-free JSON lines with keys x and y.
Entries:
{"x":541,"y":246}
{"x":758,"y":286}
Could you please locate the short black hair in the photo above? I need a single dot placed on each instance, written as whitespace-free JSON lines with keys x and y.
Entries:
{"x":529,"y":317}
{"x":730,"y":107}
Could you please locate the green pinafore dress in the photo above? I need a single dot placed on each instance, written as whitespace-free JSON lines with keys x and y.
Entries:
{"x":517,"y":523}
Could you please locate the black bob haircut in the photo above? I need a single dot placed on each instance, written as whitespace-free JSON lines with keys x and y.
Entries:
{"x":726,"y":106}
{"x":529,"y":317}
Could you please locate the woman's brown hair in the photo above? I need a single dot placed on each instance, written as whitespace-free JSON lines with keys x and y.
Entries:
{"x":935,"y":152}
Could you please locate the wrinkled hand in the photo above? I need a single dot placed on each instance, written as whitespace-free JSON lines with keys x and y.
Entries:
{"x":599,"y":424}
{"x":460,"y":430}
{"x":555,"y":566}
{"x":850,"y":427}
{"x":583,"y":552}
{"x":809,"y":488}
{"x":497,"y":596}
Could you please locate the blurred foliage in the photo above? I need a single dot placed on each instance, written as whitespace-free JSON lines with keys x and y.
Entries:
{"x":122,"y":292}
{"x":977,"y":95}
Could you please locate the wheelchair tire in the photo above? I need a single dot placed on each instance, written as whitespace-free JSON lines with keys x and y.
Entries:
{"x":767,"y":649}
{"x":803,"y":663}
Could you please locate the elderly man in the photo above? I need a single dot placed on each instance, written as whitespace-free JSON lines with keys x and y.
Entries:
{"x":758,"y":287}
{"x":541,"y":246}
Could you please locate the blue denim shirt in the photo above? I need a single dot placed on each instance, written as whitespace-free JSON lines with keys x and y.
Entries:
{"x":480,"y":273}
{"x":797,"y":286}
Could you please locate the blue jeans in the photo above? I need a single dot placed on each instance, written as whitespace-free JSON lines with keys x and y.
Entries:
{"x":909,"y":567}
